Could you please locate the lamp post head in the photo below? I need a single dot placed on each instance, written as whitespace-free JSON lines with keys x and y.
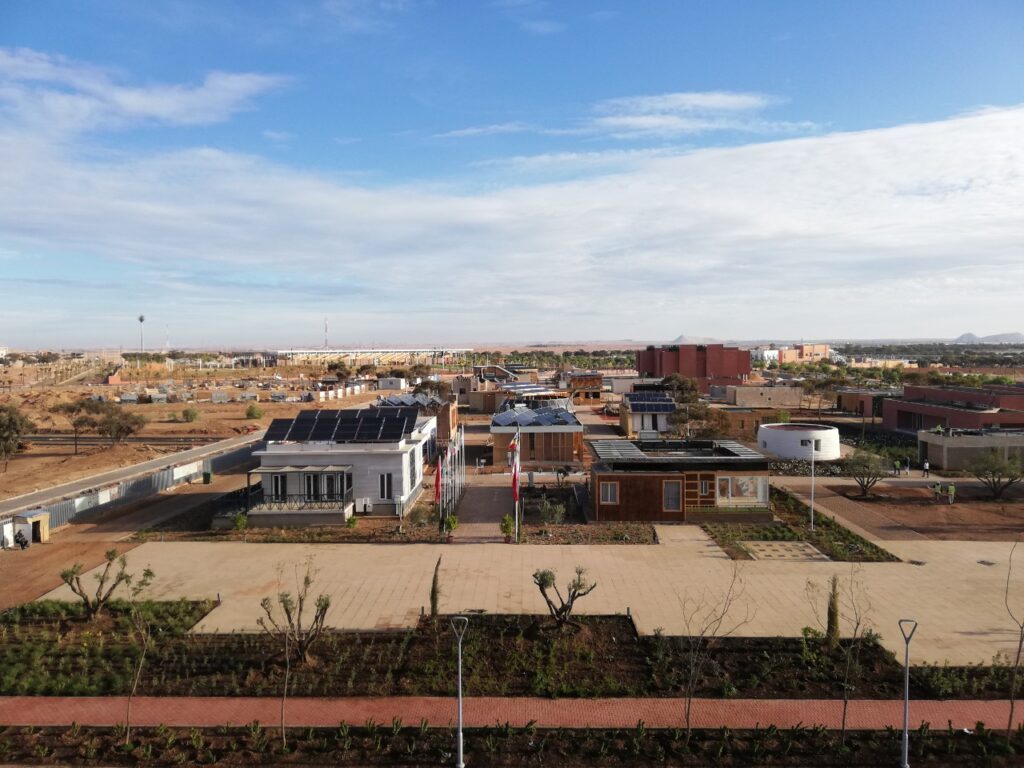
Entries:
{"x":459,"y":624}
{"x":908,"y":627}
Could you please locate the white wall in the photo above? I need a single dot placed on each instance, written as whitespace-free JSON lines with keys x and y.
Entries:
{"x":788,"y":441}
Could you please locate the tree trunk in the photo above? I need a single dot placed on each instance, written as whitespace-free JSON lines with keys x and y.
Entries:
{"x":1013,"y":683}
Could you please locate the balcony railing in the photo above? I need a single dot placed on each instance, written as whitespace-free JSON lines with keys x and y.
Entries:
{"x":264,"y":500}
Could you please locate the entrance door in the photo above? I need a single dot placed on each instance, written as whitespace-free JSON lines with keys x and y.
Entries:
{"x":37,"y":534}
{"x":312,"y":487}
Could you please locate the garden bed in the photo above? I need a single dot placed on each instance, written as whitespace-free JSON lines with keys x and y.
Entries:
{"x":47,"y":649}
{"x":829,"y":537}
{"x":552,"y":516}
{"x":365,"y":530}
{"x":397,"y":743}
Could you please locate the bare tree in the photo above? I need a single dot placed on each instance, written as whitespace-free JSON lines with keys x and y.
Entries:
{"x":107,"y":581}
{"x":575,"y":589}
{"x":1017,"y":616}
{"x":143,"y":635}
{"x":848,"y":605}
{"x":705,"y":619}
{"x":289,"y":629}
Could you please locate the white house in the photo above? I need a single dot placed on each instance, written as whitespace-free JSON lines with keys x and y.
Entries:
{"x":392,"y":382}
{"x":326,"y":465}
{"x":646,"y":412}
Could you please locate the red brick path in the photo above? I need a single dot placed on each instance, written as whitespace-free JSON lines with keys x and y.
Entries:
{"x":595,"y":713}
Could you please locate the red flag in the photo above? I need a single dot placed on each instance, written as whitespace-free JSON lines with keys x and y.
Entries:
{"x":514,"y":448}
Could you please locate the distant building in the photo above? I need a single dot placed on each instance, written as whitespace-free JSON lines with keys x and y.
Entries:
{"x":645,"y":412}
{"x":678,"y":481}
{"x":764,"y":397}
{"x":804,"y":353}
{"x":551,"y":437}
{"x":585,"y":386}
{"x":924,"y":407}
{"x":956,"y":449}
{"x":706,"y":363}
{"x":864,"y":401}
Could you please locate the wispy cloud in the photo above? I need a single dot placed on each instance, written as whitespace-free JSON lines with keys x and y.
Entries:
{"x":278,"y":137}
{"x":662,"y":116}
{"x":56,"y":94}
{"x":365,"y":16}
{"x":530,"y":15}
{"x":484,"y":130}
{"x":935,"y":209}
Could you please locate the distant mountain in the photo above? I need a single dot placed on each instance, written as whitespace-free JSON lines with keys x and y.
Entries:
{"x":694,"y":340}
{"x":996,"y":338}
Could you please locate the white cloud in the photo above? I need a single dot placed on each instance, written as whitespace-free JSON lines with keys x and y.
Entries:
{"x":484,"y":130}
{"x":542,"y":26}
{"x":57,"y":95}
{"x":365,"y":16}
{"x":695,"y":101}
{"x":278,"y":137}
{"x":911,"y":230}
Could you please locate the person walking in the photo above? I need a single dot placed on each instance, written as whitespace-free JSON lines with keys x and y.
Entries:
{"x":907,"y":465}
{"x":951,"y":490}
{"x":896,"y":467}
{"x":924,"y":468}
{"x":937,"y":490}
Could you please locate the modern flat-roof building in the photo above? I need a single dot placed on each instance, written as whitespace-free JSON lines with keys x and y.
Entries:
{"x":585,"y":386}
{"x":645,"y":412}
{"x":707,"y":363}
{"x":764,"y":397}
{"x":864,"y":401}
{"x":550,"y":436}
{"x":323,"y":466}
{"x":924,"y":407}
{"x":678,"y":481}
{"x":957,"y":448}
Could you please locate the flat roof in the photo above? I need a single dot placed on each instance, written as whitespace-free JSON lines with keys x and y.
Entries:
{"x":674,"y":451}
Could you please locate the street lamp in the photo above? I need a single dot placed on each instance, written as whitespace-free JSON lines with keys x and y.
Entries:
{"x":814,"y":444}
{"x":459,"y":624}
{"x":907,"y":628}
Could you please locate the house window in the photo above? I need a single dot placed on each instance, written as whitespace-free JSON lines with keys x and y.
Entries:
{"x":331,"y":487}
{"x":412,"y":469}
{"x":385,"y":486}
{"x":807,"y":444}
{"x":609,"y":493}
{"x":672,"y":496}
{"x":278,"y":487}
{"x":705,"y":487}
{"x":312,"y":487}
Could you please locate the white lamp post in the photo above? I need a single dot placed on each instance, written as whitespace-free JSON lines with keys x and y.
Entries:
{"x":907,"y":627}
{"x":459,"y":624}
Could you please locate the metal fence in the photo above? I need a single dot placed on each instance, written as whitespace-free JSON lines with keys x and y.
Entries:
{"x":100,"y":500}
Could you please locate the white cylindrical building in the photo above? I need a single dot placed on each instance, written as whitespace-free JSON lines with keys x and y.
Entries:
{"x":794,"y":441}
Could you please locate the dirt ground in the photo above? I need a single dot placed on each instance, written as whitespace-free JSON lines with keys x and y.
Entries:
{"x":43,"y":465}
{"x":972,"y":517}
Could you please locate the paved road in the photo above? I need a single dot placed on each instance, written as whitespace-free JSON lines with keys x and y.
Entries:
{"x":485,"y":711}
{"x":65,"y":438}
{"x":49,"y":495}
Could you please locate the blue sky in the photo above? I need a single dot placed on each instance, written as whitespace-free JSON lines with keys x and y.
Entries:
{"x":471,"y":172}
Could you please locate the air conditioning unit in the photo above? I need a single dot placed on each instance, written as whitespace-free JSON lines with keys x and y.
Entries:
{"x":364,"y":506}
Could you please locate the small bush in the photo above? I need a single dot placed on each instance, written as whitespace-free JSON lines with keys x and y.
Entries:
{"x":240,"y":521}
{"x":253,"y":412}
{"x":190,"y":414}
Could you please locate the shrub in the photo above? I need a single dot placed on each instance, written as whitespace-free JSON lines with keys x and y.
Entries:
{"x":190,"y":414}
{"x":240,"y":521}
{"x":253,"y":412}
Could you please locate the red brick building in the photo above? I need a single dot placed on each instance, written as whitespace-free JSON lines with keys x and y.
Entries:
{"x":707,"y":363}
{"x":954,"y":408}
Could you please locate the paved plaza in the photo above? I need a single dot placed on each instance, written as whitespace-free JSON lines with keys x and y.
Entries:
{"x":957,"y":599}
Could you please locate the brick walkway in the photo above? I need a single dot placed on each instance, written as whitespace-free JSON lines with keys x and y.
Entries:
{"x":484,"y":711}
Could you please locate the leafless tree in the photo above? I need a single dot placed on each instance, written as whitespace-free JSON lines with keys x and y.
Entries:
{"x":705,"y":619}
{"x":575,"y":589}
{"x":144,"y":637}
{"x":1017,"y":616}
{"x":850,"y":599}
{"x":108,"y":580}
{"x":288,"y":629}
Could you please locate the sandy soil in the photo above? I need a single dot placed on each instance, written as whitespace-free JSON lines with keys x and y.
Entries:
{"x":43,"y":465}
{"x":971,"y":518}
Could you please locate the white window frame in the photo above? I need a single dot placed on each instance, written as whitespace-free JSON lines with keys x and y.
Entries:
{"x":311,"y":486}
{"x":613,"y":498}
{"x":664,"y":487}
{"x":279,"y":487}
{"x":705,"y":487}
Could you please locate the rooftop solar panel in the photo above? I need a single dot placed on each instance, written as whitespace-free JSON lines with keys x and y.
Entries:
{"x":301,"y":430}
{"x":324,"y":429}
{"x":278,"y":430}
{"x":307,"y":415}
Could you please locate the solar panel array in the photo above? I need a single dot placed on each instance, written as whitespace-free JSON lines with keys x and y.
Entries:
{"x":357,"y":425}
{"x":650,"y":402}
{"x":539,"y":417}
